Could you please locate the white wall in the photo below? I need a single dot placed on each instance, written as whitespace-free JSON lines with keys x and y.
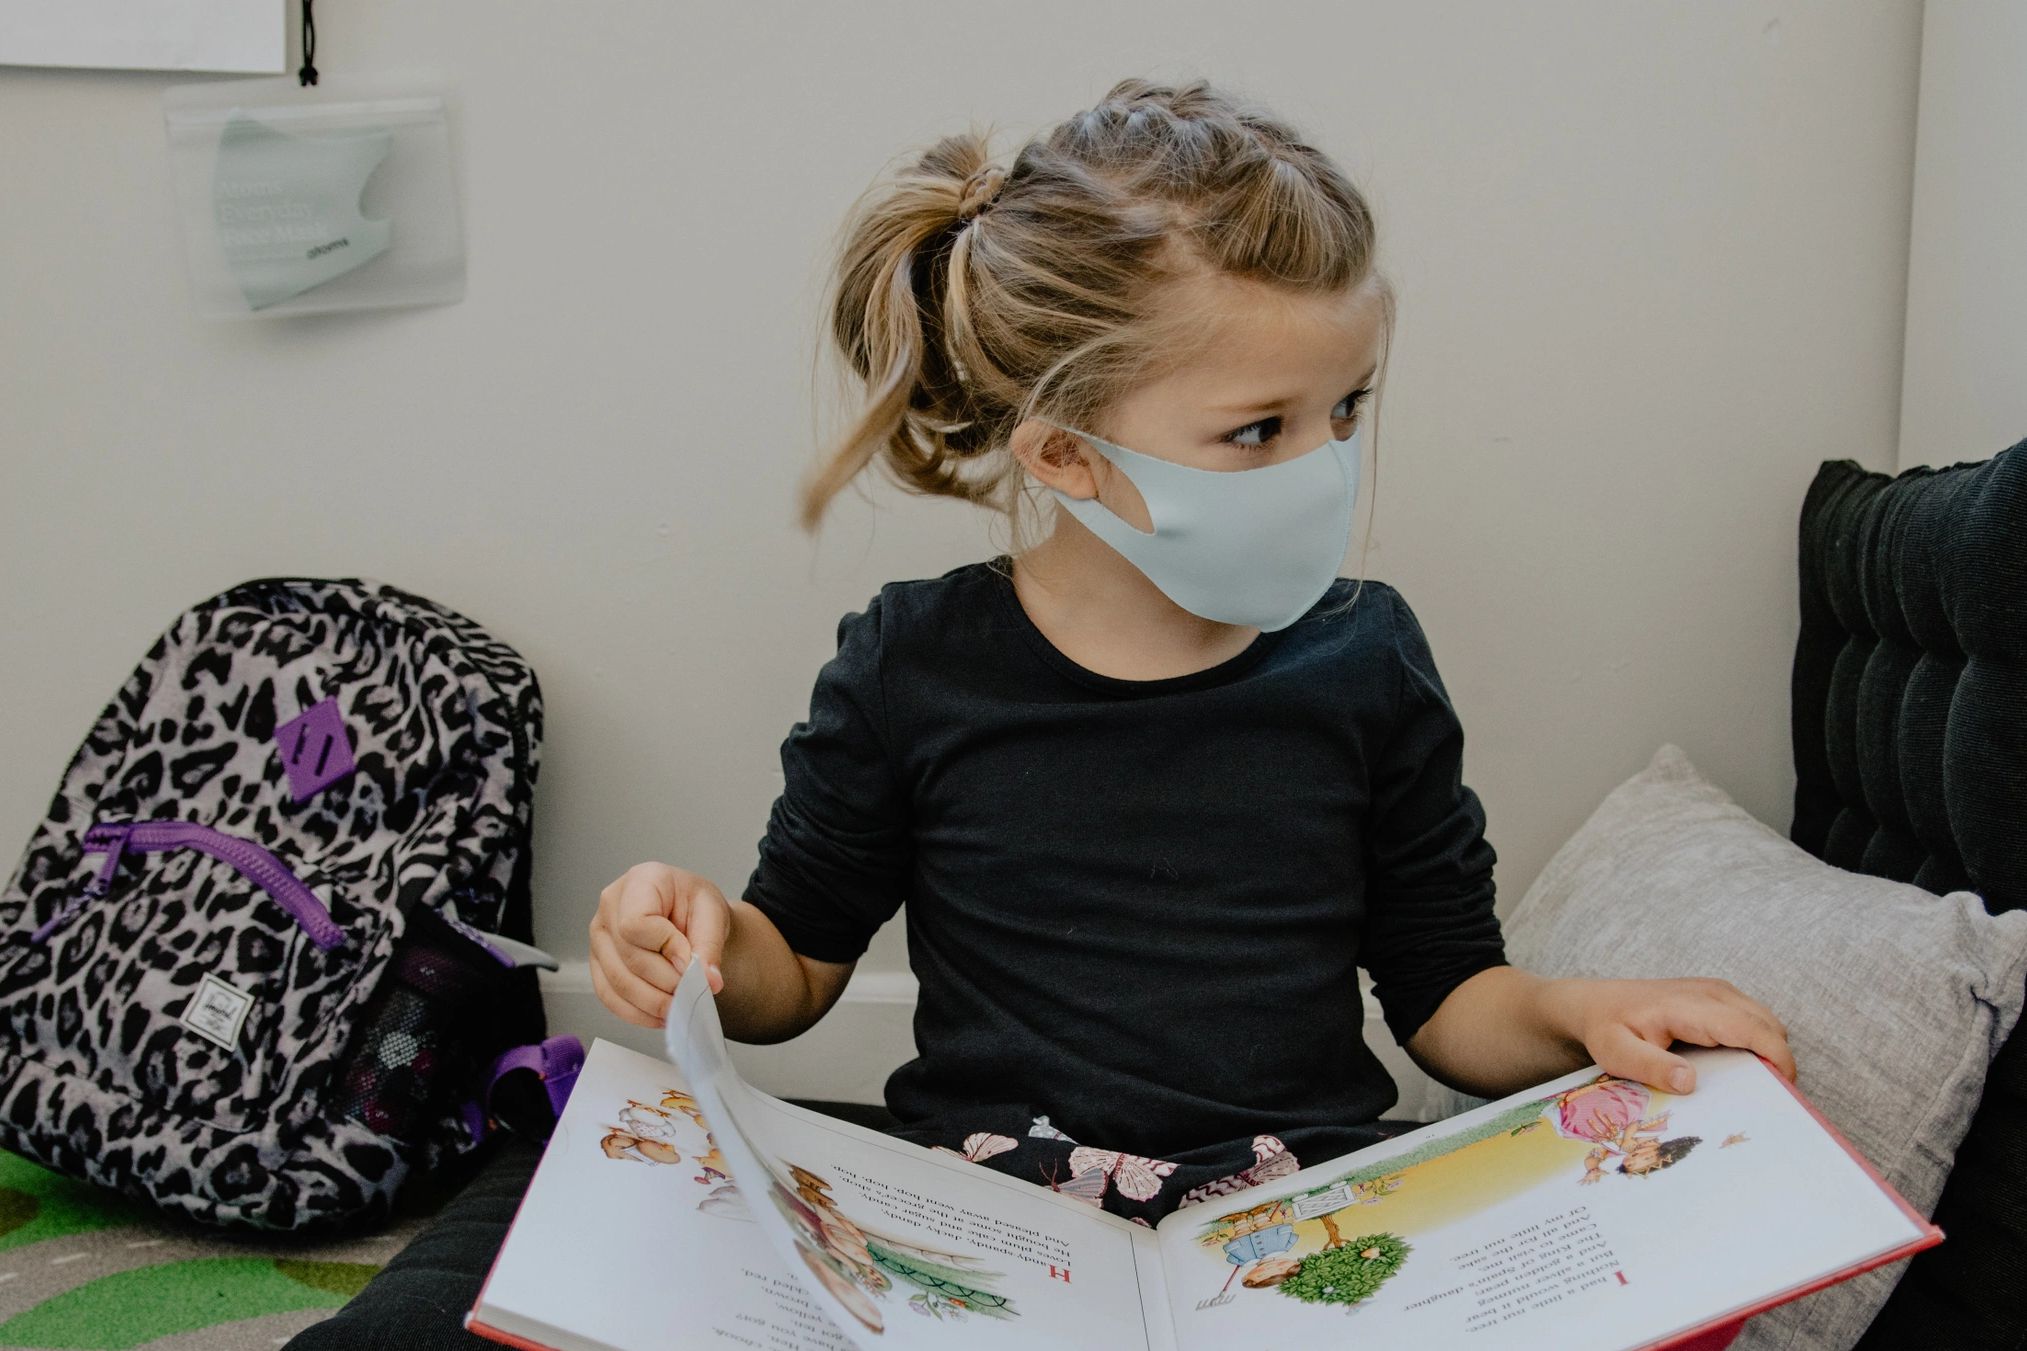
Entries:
{"x":1965,"y":391}
{"x":1652,"y":270}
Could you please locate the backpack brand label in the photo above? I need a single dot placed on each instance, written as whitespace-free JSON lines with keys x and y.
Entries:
{"x":216,"y":1011}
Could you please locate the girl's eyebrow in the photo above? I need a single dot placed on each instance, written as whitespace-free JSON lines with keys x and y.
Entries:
{"x":1286,"y":399}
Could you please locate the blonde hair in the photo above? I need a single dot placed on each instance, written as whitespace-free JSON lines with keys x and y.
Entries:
{"x":968,"y":298}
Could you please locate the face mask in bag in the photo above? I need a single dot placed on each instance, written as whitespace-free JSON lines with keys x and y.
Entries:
{"x":1248,"y":546}
{"x":288,"y":207}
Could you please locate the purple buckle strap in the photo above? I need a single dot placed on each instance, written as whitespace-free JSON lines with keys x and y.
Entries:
{"x":556,"y":1061}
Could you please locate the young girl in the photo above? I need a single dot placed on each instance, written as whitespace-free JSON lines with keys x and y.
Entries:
{"x":1154,"y":787}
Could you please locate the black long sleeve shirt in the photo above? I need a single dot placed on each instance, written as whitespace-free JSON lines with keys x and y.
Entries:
{"x":1137,"y":907}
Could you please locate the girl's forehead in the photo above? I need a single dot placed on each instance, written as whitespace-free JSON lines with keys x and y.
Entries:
{"x":1262,"y":346}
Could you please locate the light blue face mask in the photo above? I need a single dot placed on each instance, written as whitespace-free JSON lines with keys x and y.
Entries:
{"x":288,"y":207}
{"x":1250,"y":546}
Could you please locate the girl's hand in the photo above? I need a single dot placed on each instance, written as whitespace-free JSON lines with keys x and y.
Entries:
{"x":648,"y":923}
{"x":1626,"y":1026}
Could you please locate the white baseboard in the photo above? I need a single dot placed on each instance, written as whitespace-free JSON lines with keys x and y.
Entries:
{"x":845,"y":1058}
{"x":870,"y":1031}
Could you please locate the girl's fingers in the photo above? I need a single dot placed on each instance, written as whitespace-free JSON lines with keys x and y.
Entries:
{"x":1623,"y":1052}
{"x":1730,"y":1022}
{"x":619,"y":1007}
{"x":653,"y":967}
{"x":648,"y":932}
{"x":706,"y":927}
{"x":652,"y":1003}
{"x":1738,"y":999}
{"x":1774,"y":1035}
{"x":644,"y":911}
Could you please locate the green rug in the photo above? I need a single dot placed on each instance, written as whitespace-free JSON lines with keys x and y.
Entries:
{"x":81,"y":1268}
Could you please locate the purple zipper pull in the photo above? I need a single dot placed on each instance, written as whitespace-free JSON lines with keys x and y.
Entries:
{"x":113,"y":839}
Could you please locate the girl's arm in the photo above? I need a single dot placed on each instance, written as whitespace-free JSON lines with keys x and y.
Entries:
{"x":1505,"y":1029}
{"x":773,"y":992}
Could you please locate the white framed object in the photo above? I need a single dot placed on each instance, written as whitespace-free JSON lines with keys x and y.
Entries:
{"x":242,"y":36}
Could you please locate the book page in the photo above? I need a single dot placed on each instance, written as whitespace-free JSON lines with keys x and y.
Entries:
{"x":632,"y":1237}
{"x":1589,"y":1214}
{"x":908,"y":1247}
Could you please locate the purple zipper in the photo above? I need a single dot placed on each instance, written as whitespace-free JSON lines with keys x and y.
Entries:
{"x":266,"y":871}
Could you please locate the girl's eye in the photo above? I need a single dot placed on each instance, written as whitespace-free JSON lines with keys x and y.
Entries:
{"x":1269,"y":428}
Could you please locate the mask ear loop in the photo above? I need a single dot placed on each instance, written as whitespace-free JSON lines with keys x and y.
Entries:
{"x":308,"y":73}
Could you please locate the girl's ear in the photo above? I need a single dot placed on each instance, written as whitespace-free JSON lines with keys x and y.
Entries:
{"x":1055,"y":458}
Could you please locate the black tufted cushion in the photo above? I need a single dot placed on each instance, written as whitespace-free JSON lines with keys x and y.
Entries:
{"x":1910,"y":680}
{"x":1910,"y":736}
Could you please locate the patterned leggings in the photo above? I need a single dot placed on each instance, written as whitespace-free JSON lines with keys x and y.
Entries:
{"x":1141,"y":1189}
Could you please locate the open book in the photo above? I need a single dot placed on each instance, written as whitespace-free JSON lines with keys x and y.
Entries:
{"x":685,"y":1208}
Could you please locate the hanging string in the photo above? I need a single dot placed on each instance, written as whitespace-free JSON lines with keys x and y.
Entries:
{"x":308,"y":74}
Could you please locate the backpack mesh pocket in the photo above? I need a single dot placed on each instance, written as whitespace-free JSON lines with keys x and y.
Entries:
{"x":426,"y":1034}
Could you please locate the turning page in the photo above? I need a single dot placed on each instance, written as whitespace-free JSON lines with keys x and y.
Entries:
{"x":632,"y":1236}
{"x":1591,"y":1213}
{"x":907,"y":1247}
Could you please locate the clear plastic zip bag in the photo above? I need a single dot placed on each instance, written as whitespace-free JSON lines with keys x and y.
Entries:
{"x":299,"y":199}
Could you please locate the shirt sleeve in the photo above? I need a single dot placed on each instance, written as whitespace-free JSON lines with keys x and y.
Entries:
{"x":837,"y":855}
{"x":1429,"y":888}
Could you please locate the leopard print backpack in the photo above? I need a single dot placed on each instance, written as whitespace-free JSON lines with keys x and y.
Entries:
{"x":268,"y":953}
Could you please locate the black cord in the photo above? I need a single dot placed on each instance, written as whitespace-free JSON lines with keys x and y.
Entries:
{"x":308,"y":74}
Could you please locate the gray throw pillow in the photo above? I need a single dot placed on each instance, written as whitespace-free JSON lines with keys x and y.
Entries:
{"x":1895,"y":998}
